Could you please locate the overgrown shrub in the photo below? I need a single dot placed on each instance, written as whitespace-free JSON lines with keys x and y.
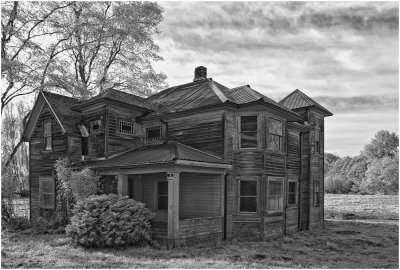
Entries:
{"x":110,"y":220}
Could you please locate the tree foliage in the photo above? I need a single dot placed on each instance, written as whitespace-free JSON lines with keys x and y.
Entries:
{"x":375,"y":170}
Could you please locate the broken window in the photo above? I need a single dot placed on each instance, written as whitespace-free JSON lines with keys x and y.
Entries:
{"x":292,"y":193}
{"x":126,"y":127}
{"x":275,"y":194}
{"x":248,"y":131}
{"x":46,"y":192}
{"x":153,"y":133}
{"x":47,"y":139}
{"x":248,"y":196}
{"x":274,"y":134}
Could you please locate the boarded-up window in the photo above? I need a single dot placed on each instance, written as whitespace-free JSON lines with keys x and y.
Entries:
{"x":317,"y":148}
{"x":162,"y":195}
{"x":95,"y":126}
{"x":248,"y":196}
{"x":292,"y":193}
{"x":274,"y":134}
{"x":47,"y":139}
{"x":316,"y":193}
{"x":46,"y":192}
{"x":126,"y":127}
{"x":153,"y":133}
{"x":275,"y":194}
{"x":248,"y":131}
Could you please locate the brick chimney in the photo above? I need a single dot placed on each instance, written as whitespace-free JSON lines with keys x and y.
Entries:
{"x":200,"y":73}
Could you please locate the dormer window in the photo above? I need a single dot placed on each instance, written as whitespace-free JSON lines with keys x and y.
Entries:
{"x":153,"y":133}
{"x":47,"y":139}
{"x":95,"y":126}
{"x":126,"y":127}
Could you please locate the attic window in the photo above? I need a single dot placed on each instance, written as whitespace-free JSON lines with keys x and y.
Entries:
{"x":126,"y":127}
{"x":47,"y":135}
{"x":153,"y":133}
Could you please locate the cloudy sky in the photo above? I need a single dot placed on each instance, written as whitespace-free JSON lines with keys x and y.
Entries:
{"x":342,"y":54}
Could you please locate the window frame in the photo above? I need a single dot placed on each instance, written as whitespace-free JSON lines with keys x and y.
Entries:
{"x":296,"y":193}
{"x":158,"y":195}
{"x":316,"y":193}
{"x":127,"y":123}
{"x":248,"y":196}
{"x":240,"y":131}
{"x":282,"y":181}
{"x":160,"y":127}
{"x":50,"y":135}
{"x":281,"y":137}
{"x":41,"y":193}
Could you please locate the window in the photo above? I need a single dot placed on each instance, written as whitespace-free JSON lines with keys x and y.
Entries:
{"x":248,"y":131}
{"x":95,"y":126}
{"x":316,"y":193}
{"x":46,"y":192}
{"x":162,"y":195}
{"x":126,"y":127}
{"x":275,"y":194}
{"x":274,"y":134}
{"x":153,"y":133}
{"x":292,"y":193}
{"x":317,"y":148}
{"x":47,"y":135}
{"x":248,"y":196}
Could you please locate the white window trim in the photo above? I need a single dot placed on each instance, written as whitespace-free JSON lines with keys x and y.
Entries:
{"x":239,"y":196}
{"x":42,"y":179}
{"x":126,"y":123}
{"x":240,"y":131}
{"x":282,"y":180}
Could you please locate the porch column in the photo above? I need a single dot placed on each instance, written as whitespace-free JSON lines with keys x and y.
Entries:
{"x":122,"y":184}
{"x":173,"y":208}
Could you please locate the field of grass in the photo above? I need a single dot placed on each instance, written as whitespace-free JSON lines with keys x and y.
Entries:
{"x":351,"y":206}
{"x":341,"y":244}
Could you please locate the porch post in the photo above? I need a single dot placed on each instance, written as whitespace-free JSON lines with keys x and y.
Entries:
{"x":173,"y":208}
{"x":122,"y":184}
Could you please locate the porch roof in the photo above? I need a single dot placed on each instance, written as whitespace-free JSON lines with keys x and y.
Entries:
{"x":167,"y":153}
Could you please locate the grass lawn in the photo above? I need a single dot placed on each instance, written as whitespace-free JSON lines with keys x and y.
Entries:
{"x":355,"y":243}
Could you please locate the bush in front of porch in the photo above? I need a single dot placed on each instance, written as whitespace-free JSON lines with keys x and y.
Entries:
{"x":110,"y":220}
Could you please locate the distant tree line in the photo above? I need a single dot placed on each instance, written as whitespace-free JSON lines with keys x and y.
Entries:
{"x":374,"y":171}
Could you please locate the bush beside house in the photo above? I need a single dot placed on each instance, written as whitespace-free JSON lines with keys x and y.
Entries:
{"x":110,"y":220}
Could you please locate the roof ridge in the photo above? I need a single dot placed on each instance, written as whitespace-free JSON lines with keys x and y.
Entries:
{"x":173,"y":88}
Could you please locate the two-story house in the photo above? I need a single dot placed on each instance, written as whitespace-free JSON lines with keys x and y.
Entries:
{"x":211,"y":162}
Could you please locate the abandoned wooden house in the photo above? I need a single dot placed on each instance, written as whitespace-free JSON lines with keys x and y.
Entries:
{"x":211,"y":162}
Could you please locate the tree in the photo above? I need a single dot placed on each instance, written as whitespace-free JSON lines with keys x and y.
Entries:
{"x":25,"y":58}
{"x":14,"y":177}
{"x":111,"y":44}
{"x":328,"y":161}
{"x":384,"y":144}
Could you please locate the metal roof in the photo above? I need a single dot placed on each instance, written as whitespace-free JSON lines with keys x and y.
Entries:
{"x":120,"y":96}
{"x":298,"y":99}
{"x":206,"y":92}
{"x":156,"y":154}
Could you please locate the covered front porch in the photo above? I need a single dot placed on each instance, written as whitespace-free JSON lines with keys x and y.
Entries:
{"x":183,"y":186}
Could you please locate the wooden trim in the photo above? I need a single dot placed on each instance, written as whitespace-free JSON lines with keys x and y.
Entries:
{"x":239,"y":132}
{"x":203,"y":164}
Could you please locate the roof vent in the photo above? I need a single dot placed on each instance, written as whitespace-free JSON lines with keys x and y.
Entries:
{"x":200,"y":73}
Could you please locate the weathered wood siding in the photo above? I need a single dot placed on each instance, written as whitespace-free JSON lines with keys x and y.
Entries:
{"x":305,"y":182}
{"x":199,"y":195}
{"x":200,"y":230}
{"x":97,"y":140}
{"x":203,"y":131}
{"x":41,"y":161}
{"x":117,"y":141}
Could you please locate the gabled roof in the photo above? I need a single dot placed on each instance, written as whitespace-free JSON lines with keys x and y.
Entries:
{"x":60,"y":106}
{"x":170,"y":152}
{"x":206,"y":92}
{"x":119,"y":96}
{"x":298,"y":99}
